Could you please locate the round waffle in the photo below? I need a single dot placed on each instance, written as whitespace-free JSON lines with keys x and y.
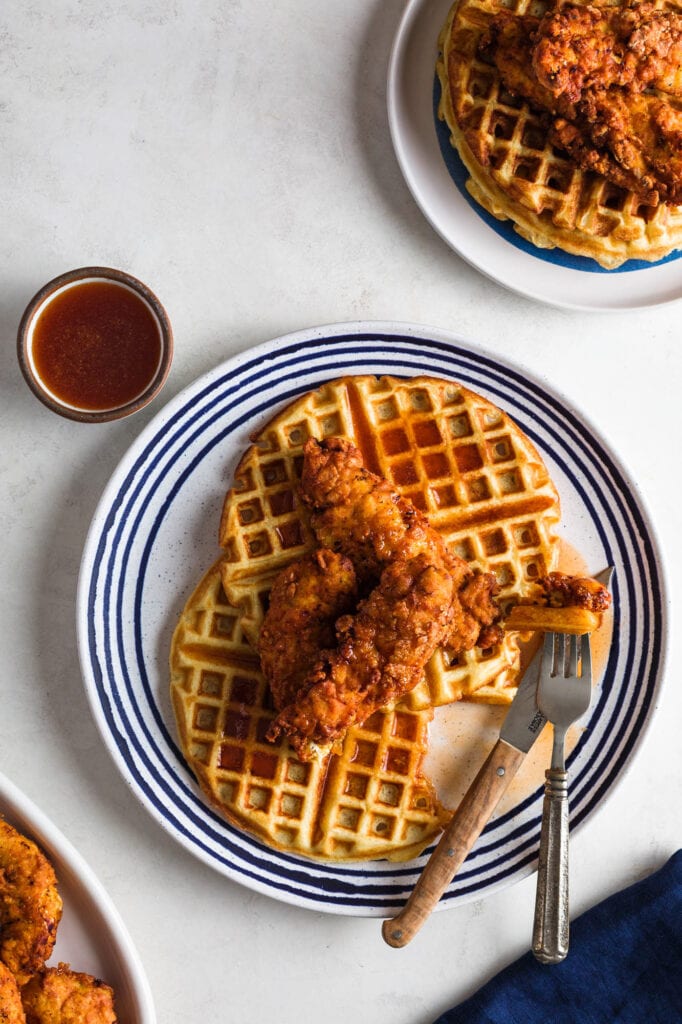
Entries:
{"x":367,"y":801}
{"x":453,"y":454}
{"x":525,"y":179}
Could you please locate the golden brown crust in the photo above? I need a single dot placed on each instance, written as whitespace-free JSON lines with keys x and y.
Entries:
{"x":582,"y":47}
{"x":30,"y":905}
{"x":563,"y":591}
{"x":305,"y":601}
{"x":380,"y":651}
{"x":58,"y":995}
{"x":380,"y":655}
{"x":11,"y":1009}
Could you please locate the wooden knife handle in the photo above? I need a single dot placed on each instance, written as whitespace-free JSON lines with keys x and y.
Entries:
{"x":466,"y":825}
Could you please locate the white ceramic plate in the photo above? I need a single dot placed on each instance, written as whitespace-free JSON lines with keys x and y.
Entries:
{"x":91,"y":936}
{"x":155,"y":533}
{"x":436,"y":176}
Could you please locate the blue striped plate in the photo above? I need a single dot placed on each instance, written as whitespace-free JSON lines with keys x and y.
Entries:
{"x":155,"y":533}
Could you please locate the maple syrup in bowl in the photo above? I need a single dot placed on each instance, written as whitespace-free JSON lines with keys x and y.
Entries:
{"x":95,"y":344}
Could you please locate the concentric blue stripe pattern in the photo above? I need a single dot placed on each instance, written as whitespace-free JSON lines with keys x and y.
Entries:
{"x":204,"y":429}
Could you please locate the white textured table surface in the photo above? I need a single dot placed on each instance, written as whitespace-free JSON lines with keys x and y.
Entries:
{"x":236,"y":157}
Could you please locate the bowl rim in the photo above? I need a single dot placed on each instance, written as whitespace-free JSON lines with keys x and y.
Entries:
{"x":73,"y":277}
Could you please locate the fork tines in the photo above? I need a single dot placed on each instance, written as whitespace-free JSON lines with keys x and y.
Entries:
{"x":571,"y":656}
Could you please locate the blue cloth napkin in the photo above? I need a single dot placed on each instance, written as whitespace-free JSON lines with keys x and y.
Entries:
{"x":624,"y":966}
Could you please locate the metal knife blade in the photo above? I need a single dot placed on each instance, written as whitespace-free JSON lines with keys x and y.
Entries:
{"x":605,"y":576}
{"x":524,"y":721}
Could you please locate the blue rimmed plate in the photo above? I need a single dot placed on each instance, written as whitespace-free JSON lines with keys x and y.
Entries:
{"x":436,"y":178}
{"x":155,"y":533}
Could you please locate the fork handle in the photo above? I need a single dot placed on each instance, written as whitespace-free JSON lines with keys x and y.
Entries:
{"x":551,"y":922}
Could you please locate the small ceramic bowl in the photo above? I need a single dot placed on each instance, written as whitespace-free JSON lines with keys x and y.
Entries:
{"x":121,"y":355}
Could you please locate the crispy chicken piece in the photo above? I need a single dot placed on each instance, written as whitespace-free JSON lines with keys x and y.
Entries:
{"x":30,"y":905}
{"x":305,"y":601}
{"x":358,"y":513}
{"x":423,"y":596}
{"x":380,"y":655}
{"x":581,"y":47}
{"x":475,"y":616}
{"x":11,"y":1010}
{"x":564,"y":591}
{"x":58,"y":995}
{"x":633,"y":139}
{"x":655,"y":47}
{"x":575,"y":47}
{"x":509,"y":43}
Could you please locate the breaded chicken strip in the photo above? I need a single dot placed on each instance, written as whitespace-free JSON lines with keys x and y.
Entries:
{"x":357,"y":512}
{"x":305,"y":601}
{"x":380,"y":655}
{"x":509,"y":42}
{"x":423,"y":597}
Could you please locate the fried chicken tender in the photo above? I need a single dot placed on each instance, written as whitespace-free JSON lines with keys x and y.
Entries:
{"x":582,"y":47}
{"x":58,"y":995}
{"x":305,"y":601}
{"x":356,"y":512}
{"x":30,"y":905}
{"x":380,"y":655}
{"x":574,"y":47}
{"x":11,"y":1009}
{"x":423,"y":596}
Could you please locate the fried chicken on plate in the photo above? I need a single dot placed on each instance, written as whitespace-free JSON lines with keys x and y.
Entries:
{"x":380,"y":654}
{"x":419,"y":596}
{"x":566,"y":591}
{"x":577,"y":47}
{"x":358,"y":513}
{"x":58,"y":995}
{"x":306,"y":599}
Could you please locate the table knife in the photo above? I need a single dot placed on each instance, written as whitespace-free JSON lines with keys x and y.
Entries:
{"x":521,"y":727}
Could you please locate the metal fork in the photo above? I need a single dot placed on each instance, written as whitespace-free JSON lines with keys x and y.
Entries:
{"x":563,"y":696}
